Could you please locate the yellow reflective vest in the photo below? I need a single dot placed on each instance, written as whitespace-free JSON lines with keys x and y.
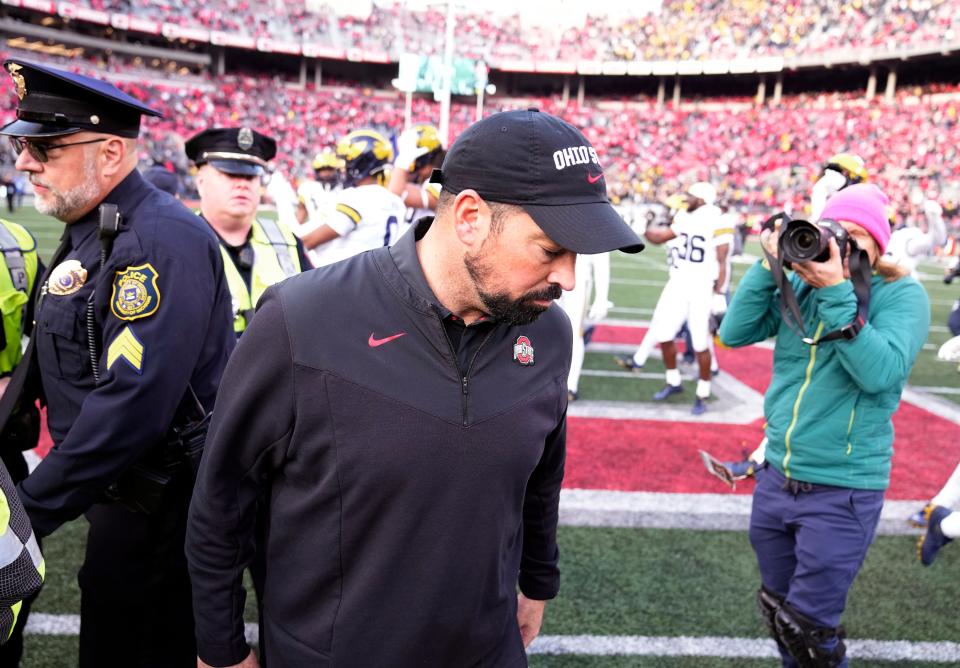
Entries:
{"x":21,"y":563}
{"x":18,"y":257}
{"x":274,"y":259}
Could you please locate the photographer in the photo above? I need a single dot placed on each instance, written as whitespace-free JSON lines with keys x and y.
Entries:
{"x":828,"y":411}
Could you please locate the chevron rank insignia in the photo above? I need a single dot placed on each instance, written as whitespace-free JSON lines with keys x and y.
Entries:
{"x":135,"y":293}
{"x":126,"y":346}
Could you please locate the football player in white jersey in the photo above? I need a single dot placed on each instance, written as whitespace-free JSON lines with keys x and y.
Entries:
{"x":365,"y":215}
{"x":317,"y":195}
{"x":697,"y":246}
{"x":419,"y":150}
{"x":909,"y":243}
{"x":592,"y":276}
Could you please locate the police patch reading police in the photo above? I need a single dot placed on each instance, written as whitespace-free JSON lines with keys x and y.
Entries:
{"x":135,"y":293}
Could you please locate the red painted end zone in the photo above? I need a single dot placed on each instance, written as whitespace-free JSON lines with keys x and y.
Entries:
{"x":655,"y":456}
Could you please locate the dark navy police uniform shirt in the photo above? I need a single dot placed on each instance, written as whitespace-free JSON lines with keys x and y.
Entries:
{"x":164,"y":320}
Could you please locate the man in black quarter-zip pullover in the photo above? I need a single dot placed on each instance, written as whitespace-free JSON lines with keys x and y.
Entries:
{"x":405,"y":413}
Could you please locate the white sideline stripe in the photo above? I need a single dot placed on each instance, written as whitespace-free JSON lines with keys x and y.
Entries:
{"x":45,"y":624}
{"x":885,"y":650}
{"x":937,"y":390}
{"x":932,"y":404}
{"x":715,"y":512}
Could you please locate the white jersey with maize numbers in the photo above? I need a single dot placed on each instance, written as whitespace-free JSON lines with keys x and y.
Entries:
{"x":416,"y":213}
{"x":365,"y":217}
{"x":692,"y":255}
{"x":318,"y":201}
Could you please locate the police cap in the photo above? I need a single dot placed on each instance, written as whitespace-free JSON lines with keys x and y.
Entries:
{"x":55,"y":103}
{"x":240,"y":151}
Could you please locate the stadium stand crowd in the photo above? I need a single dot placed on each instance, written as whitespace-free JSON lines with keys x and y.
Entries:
{"x":761,"y":157}
{"x":682,"y":30}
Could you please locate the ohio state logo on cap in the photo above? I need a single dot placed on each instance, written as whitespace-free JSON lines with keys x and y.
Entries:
{"x":523,"y":351}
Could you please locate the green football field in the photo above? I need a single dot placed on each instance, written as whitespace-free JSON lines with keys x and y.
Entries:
{"x":662,"y":584}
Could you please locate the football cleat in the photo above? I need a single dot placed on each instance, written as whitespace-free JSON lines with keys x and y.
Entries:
{"x":627,"y":362}
{"x":667,"y":391}
{"x":699,"y":407}
{"x":931,"y":541}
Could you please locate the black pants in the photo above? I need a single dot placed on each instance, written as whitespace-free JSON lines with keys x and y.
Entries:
{"x":135,"y":606}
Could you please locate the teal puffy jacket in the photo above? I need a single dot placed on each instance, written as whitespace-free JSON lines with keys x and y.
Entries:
{"x":829,"y":407}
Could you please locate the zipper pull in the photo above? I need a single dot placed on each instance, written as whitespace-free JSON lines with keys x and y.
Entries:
{"x":463,"y":384}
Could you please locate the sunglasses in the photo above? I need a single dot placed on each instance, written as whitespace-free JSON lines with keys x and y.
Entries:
{"x":41,"y":152}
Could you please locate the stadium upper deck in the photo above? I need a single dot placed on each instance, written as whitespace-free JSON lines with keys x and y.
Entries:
{"x":682,"y":30}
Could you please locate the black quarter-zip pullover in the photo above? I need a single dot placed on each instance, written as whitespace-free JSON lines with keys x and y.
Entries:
{"x":409,"y":497}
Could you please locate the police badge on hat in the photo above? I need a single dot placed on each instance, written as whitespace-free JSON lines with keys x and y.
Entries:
{"x":245,"y":139}
{"x":18,"y":79}
{"x":66,"y":278}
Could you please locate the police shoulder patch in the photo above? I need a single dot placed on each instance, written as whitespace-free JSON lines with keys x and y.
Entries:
{"x":135,"y":293}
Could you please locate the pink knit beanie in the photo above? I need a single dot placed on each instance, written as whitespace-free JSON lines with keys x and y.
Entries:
{"x":864,"y":204}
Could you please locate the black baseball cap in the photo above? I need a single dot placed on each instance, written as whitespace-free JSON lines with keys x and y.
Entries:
{"x":546,"y":166}
{"x":238,"y":151}
{"x":53,"y":103}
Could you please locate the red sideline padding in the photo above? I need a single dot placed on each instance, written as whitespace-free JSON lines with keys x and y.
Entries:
{"x":654,"y":456}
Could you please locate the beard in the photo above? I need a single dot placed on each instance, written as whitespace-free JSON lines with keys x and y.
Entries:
{"x":500,"y":305}
{"x":62,"y":203}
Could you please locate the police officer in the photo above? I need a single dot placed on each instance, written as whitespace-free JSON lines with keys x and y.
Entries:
{"x":132,"y":333}
{"x":21,"y":570}
{"x":257,"y":252}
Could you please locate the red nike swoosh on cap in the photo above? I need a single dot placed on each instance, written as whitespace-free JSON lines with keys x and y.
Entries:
{"x":374,"y":342}
{"x":593,"y":179}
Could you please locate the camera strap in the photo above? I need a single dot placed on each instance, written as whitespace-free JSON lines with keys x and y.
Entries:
{"x":789,"y":307}
{"x":860,"y":276}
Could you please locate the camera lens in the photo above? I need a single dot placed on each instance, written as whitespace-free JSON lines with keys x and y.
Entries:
{"x":800,"y":241}
{"x":805,"y":240}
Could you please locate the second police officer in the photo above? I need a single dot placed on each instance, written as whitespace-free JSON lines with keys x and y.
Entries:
{"x":257,"y":251}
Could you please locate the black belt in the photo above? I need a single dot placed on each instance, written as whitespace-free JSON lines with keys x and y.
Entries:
{"x":797,"y":486}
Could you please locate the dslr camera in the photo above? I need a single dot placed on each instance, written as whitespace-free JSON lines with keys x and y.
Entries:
{"x":803,"y":241}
